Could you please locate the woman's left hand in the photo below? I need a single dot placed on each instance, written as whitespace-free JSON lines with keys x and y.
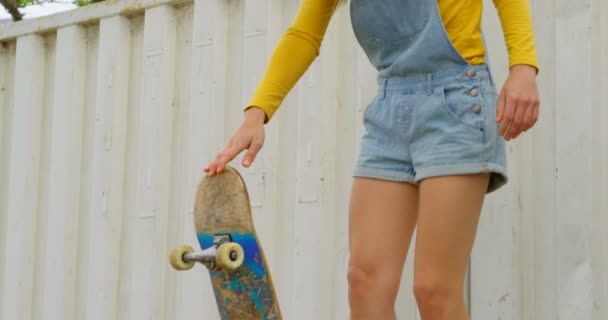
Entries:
{"x":518,"y":102}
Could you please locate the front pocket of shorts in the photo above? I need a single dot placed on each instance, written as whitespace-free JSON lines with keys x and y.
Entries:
{"x":369,"y":107}
{"x":462,"y":107}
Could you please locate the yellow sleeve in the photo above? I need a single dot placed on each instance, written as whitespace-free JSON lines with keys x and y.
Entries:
{"x":294,"y":53}
{"x":516,"y":22}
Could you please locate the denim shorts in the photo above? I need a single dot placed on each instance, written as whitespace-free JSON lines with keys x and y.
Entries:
{"x":430,"y":125}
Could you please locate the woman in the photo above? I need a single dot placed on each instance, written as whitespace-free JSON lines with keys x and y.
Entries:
{"x":434,"y":143}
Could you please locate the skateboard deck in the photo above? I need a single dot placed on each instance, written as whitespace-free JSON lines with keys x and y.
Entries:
{"x":239,"y":272}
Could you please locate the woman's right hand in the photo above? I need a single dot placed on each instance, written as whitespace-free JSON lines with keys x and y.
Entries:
{"x":250,"y":136}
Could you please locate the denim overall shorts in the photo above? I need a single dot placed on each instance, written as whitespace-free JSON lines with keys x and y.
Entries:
{"x":434,"y":113}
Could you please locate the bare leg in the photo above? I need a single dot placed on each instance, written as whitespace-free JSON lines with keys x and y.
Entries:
{"x":448,"y":216}
{"x":382,"y":219}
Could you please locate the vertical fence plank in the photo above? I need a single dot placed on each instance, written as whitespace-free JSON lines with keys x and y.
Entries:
{"x":23,"y":178}
{"x":599,"y":52}
{"x":90,"y":88}
{"x":7,"y":74}
{"x":308,"y":248}
{"x":315,"y":208}
{"x":128,"y":249}
{"x":541,"y":275}
{"x":64,"y":176}
{"x":50,"y":41}
{"x":106,"y":206}
{"x":573,"y":136}
{"x":181,"y":173}
{"x":155,"y":131}
{"x":284,"y":123}
{"x":204,"y":135}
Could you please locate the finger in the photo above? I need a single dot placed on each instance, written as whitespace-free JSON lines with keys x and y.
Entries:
{"x":211,"y":166}
{"x":508,"y":115}
{"x":214,"y":166}
{"x":210,"y":169}
{"x":507,"y":127}
{"x":252,"y":152}
{"x":536,"y":111}
{"x":500,"y":109}
{"x":517,"y":125}
{"x":528,"y":118}
{"x":526,"y":122}
{"x":227,"y":156}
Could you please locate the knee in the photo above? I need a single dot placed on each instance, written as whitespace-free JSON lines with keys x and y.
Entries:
{"x":368,"y":284}
{"x":433,"y":294}
{"x":358,"y":279}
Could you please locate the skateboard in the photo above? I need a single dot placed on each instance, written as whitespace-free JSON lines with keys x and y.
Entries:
{"x":231,"y":250}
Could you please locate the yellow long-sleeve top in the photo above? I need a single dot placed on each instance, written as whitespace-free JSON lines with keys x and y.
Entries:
{"x":300,"y":45}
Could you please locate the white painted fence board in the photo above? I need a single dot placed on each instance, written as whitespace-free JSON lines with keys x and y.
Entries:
{"x":125,"y":289}
{"x":61,"y":244}
{"x":542,"y":200}
{"x":155,"y":127}
{"x":599,"y":51}
{"x":230,"y":49}
{"x":575,"y":283}
{"x":168,"y":88}
{"x":7,"y":68}
{"x":203,"y":134}
{"x":90,"y":92}
{"x":23,"y":178}
{"x":106,"y":207}
{"x":285,"y":122}
{"x":180,"y":174}
{"x":43,"y":180}
{"x":313,"y":216}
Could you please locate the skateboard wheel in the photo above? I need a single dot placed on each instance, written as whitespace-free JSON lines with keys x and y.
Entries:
{"x":177,"y":258}
{"x":230,"y":256}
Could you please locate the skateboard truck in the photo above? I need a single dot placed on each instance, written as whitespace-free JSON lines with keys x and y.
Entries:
{"x":224,"y":254}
